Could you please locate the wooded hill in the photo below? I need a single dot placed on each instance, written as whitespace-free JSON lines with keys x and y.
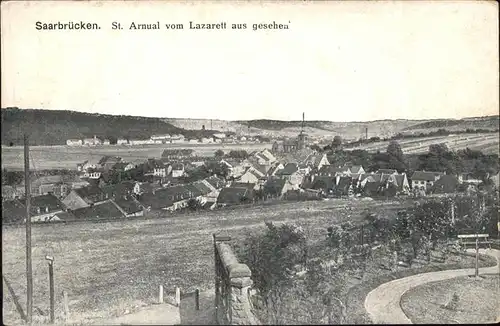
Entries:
{"x":54,"y":127}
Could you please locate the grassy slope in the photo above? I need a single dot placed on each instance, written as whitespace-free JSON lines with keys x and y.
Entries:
{"x":109,"y":267}
{"x":478,"y":301}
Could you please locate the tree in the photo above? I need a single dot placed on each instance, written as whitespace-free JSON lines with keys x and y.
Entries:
{"x":394,"y":150}
{"x":194,"y":204}
{"x":337,"y":142}
{"x":241,"y":154}
{"x":219,"y":153}
{"x":316,"y":148}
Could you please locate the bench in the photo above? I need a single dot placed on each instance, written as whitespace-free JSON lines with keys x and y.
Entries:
{"x":470,"y":239}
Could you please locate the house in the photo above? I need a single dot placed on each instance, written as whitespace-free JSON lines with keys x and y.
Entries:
{"x":106,"y":210}
{"x":122,"y":141}
{"x":140,"y":142}
{"x":398,"y":181}
{"x":215,"y":182}
{"x":275,"y":168}
{"x":124,"y":188}
{"x":287,"y":171}
{"x":250,"y":176}
{"x":386,"y":171}
{"x":324,"y":183}
{"x":332,"y":171}
{"x":157,"y":168}
{"x":74,"y":142}
{"x":236,"y":194}
{"x":291,"y":173}
{"x":92,"y":141}
{"x":235,"y":167}
{"x":59,"y":185}
{"x":106,"y":142}
{"x":177,"y":170}
{"x":92,"y":163}
{"x":424,"y":180}
{"x":344,"y":186}
{"x":445,"y":185}
{"x":44,"y":208}
{"x":128,"y":205}
{"x":160,"y":139}
{"x":317,"y":161}
{"x":263,"y":157}
{"x":107,"y":162}
{"x":84,"y":197}
{"x":92,"y":174}
{"x":170,"y":198}
{"x":356,"y":169}
{"x":145,"y":187}
{"x":123,"y":166}
{"x":176,"y":154}
{"x":275,"y":187}
{"x":218,"y":137}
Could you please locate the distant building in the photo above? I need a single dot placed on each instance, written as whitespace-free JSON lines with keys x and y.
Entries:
{"x":292,"y":145}
{"x":121,"y":141}
{"x":74,"y":142}
{"x":424,"y":180}
{"x":92,"y":141}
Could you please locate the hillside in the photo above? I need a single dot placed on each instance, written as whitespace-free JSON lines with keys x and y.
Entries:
{"x":353,"y":130}
{"x":54,"y":127}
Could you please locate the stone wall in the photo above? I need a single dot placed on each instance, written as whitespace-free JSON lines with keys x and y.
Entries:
{"x":233,"y":282}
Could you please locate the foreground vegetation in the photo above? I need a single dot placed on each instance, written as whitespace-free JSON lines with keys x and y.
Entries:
{"x":307,"y":280}
{"x":109,"y":267}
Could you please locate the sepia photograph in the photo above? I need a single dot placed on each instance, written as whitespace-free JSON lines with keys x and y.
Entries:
{"x":250,"y":162}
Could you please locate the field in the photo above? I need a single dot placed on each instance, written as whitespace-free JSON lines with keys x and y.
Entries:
{"x":109,"y":267}
{"x":66,"y":157}
{"x":478,"y":301}
{"x":487,"y":143}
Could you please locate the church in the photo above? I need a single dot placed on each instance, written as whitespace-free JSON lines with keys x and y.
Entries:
{"x":292,"y":145}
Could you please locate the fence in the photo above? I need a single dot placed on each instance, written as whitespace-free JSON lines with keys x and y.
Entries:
{"x":232,"y":287}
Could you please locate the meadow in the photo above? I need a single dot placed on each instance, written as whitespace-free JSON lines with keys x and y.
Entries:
{"x":67,"y":157}
{"x":107,"y":268}
{"x":488,"y":143}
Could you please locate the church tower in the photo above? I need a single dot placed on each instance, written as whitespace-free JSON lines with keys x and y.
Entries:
{"x":302,"y":138}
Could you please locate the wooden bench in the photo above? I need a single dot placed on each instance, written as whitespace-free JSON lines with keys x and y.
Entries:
{"x":470,"y":239}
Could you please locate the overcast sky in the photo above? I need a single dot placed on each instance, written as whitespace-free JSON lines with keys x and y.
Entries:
{"x":347,"y":61}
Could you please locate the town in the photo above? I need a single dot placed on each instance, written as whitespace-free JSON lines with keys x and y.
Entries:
{"x":109,"y":187}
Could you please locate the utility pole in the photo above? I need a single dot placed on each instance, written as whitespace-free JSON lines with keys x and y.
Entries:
{"x":29,"y":271}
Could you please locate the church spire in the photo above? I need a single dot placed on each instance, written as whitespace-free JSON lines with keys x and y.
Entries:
{"x":303,"y":121}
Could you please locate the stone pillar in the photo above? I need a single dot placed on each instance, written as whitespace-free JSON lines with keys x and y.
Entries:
{"x":240,"y":309}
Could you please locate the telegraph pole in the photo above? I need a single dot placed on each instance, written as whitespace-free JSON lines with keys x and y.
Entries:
{"x":29,"y":271}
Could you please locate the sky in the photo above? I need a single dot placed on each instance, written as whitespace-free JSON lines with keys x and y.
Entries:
{"x":338,"y":61}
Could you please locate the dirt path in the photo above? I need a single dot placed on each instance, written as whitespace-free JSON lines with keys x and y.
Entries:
{"x":383,"y":303}
{"x":161,"y":314}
